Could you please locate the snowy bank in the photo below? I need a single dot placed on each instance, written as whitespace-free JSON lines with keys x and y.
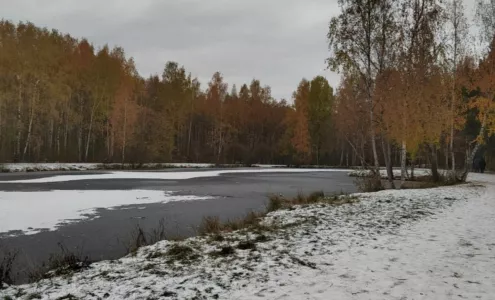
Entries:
{"x":395,"y":244}
{"x":383,"y":173}
{"x":43,"y":167}
{"x":21,"y":213}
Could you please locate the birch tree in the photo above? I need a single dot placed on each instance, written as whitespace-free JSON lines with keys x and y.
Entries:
{"x":352,"y":40}
{"x":457,"y":32}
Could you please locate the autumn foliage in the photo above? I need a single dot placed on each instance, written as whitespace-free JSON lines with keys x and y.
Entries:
{"x":409,"y":76}
{"x":410,"y":94}
{"x":62,"y":99}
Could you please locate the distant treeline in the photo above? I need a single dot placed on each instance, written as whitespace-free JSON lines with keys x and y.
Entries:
{"x":411,"y":92}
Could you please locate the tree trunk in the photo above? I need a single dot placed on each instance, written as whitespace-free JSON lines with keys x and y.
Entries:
{"x":355,"y":154}
{"x":17,"y":151}
{"x":66,"y":131}
{"x":89,"y":133}
{"x":219,"y":144}
{"x":189,"y":137}
{"x":58,"y":141}
{"x":28,"y":138}
{"x":434,"y":163}
{"x":470,"y":156}
{"x":388,"y":162}
{"x":412,"y":170}
{"x":446,"y":156}
{"x":125,"y":132}
{"x":31,"y":117}
{"x":50,"y":137}
{"x":403,"y":156}
{"x":373,"y":142}
{"x":80,"y":133}
{"x":363,"y":155}
{"x":452,"y":153}
{"x":108,"y":139}
{"x":112,"y":144}
{"x":318,"y":155}
{"x":342,"y":156}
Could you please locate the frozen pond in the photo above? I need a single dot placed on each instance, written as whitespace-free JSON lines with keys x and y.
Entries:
{"x":96,"y":212}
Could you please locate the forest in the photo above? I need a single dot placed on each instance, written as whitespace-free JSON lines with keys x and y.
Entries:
{"x":417,"y":87}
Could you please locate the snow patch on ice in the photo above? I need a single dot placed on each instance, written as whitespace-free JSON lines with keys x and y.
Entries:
{"x":32,"y":212}
{"x":164,"y":175}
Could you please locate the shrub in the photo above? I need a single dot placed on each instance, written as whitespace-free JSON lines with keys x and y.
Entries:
{"x":369,"y":184}
{"x":275,"y":203}
{"x":210,"y":225}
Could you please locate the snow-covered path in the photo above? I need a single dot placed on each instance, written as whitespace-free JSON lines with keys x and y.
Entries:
{"x":391,"y":245}
{"x":448,"y":256}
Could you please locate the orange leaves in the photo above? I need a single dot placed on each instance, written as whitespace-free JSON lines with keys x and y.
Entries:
{"x":301,"y":138}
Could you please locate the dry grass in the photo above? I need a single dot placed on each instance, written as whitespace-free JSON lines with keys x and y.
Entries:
{"x":275,"y":203}
{"x":63,"y":263}
{"x":213,"y":225}
{"x":7,"y":259}
{"x":210,"y":225}
{"x":140,"y":236}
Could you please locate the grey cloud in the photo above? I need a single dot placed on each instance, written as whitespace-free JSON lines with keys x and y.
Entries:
{"x":276,"y":41}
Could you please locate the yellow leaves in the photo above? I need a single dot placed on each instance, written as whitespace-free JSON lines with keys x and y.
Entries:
{"x":413,"y":107}
{"x":481,"y":103}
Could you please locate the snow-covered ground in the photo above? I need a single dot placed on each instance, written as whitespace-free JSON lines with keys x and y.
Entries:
{"x":165,"y":175}
{"x":31,"y":167}
{"x":396,"y":244}
{"x":31,"y":212}
{"x":383,"y":173}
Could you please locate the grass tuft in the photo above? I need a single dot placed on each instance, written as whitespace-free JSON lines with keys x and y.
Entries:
{"x":181,"y":253}
{"x":224,"y":251}
{"x":246,"y":245}
{"x":7,"y":259}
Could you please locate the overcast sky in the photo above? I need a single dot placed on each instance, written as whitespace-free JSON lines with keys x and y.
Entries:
{"x":276,"y":41}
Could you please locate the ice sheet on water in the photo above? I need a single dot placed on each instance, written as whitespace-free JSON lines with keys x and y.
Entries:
{"x":30,"y":212}
{"x":164,"y":175}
